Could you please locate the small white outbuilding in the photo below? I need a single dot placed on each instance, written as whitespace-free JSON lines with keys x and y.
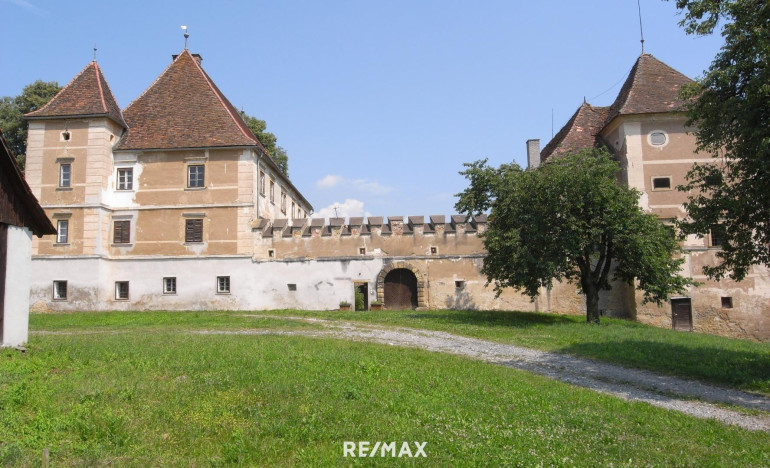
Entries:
{"x":20,"y":217}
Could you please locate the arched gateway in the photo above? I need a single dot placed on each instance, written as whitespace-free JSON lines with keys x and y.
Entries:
{"x":401,"y":286}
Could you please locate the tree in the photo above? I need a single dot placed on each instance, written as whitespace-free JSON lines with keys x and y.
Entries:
{"x":12,"y":110}
{"x":570,"y":220}
{"x":269,"y":141}
{"x":729,"y":111}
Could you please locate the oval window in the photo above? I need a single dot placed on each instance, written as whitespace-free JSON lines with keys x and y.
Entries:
{"x":657,"y":138}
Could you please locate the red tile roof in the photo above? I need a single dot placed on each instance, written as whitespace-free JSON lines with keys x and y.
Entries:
{"x":581,"y":131}
{"x":183,"y":108}
{"x":651,"y":87}
{"x":18,"y":206}
{"x":88,"y":94}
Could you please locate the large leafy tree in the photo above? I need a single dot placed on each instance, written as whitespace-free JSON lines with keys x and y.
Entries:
{"x":570,"y":220}
{"x":729,"y":111}
{"x":269,"y":141}
{"x":12,"y":110}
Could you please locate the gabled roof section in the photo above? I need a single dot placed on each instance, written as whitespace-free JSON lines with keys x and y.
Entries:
{"x":183,"y":108}
{"x":651,"y":87}
{"x":581,"y":131}
{"x":88,"y":94}
{"x":20,"y":207}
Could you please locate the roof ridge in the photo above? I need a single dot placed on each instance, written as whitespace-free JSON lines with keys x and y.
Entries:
{"x":217,"y":93}
{"x":99,"y":85}
{"x":83,"y":70}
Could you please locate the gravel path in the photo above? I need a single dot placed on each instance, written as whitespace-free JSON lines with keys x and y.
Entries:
{"x":688,"y":396}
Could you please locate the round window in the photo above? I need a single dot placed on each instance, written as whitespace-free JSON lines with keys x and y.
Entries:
{"x":657,"y":138}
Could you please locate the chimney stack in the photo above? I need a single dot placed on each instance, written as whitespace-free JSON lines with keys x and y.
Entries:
{"x":533,"y":153}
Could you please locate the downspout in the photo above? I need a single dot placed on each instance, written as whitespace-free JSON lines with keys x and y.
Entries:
{"x":259,"y":153}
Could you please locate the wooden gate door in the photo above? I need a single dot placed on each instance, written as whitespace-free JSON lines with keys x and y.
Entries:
{"x":400,"y":290}
{"x":681,"y":314}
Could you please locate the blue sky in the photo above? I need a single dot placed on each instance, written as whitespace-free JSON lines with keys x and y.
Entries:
{"x":378,"y":104}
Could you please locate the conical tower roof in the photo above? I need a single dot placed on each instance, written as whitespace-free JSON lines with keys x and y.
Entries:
{"x":87,"y":95}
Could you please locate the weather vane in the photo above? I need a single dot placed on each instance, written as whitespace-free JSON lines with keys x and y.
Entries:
{"x":186,"y":35}
{"x":94,"y":52}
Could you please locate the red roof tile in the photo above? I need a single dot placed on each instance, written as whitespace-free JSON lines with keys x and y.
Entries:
{"x":581,"y":131}
{"x":88,"y":94}
{"x":183,"y":108}
{"x":651,"y":87}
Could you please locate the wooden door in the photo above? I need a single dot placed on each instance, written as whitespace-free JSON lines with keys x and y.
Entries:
{"x":400,"y":290}
{"x":681,"y":314}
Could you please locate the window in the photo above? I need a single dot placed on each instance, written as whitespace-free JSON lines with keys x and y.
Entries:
{"x":169,"y":285}
{"x":433,"y":250}
{"x":65,"y":175}
{"x":293,"y":209}
{"x":661,"y":183}
{"x":459,"y":284}
{"x":193,"y":231}
{"x":195,"y":175}
{"x":272,"y":191}
{"x":121,"y":290}
{"x":262,"y":183}
{"x":717,"y":235}
{"x":362,"y":251}
{"x":62,"y":231}
{"x":65,"y":135}
{"x":727,"y":302}
{"x":283,"y":202}
{"x":292,"y":286}
{"x":658,"y":138}
{"x":223,"y":285}
{"x":271,"y":253}
{"x":59,"y":290}
{"x":299,"y":213}
{"x":126,"y":179}
{"x":121,"y":232}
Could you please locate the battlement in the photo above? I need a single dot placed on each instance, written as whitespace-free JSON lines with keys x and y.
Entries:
{"x":308,"y":238}
{"x":374,"y":225}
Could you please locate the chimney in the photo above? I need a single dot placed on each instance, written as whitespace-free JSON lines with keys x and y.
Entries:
{"x":533,"y":153}
{"x":197,"y":57}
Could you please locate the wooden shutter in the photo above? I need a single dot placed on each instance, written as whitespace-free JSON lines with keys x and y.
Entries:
{"x":122,"y":232}
{"x":193,"y":230}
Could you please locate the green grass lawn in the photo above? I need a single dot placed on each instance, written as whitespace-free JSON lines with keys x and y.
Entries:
{"x":152,"y":394}
{"x":731,"y":362}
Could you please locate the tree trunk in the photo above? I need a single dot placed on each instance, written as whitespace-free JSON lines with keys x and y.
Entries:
{"x":592,"y":303}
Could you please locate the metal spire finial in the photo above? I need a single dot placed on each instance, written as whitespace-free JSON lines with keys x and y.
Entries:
{"x":94,"y":52}
{"x":641,"y":30}
{"x":186,"y":36}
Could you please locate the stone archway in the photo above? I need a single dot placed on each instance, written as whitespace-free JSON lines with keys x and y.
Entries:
{"x":419,"y":276}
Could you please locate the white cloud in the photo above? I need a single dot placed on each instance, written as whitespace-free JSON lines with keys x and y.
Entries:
{"x":28,"y":6}
{"x":350,"y":207}
{"x":371,"y":187}
{"x":329,"y":181}
{"x":361,"y":185}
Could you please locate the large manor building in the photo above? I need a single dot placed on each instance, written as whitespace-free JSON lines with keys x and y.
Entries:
{"x":172,"y":203}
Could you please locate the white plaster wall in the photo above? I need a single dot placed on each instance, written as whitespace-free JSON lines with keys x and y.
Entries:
{"x":254,"y":285}
{"x":17,"y":277}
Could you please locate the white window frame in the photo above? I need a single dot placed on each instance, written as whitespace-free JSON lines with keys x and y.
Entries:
{"x":193,"y":183}
{"x":223,"y":285}
{"x":169,"y":281}
{"x":65,"y":181}
{"x":62,"y":235}
{"x":124,"y":179}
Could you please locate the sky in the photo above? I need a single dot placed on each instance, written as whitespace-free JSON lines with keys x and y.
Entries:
{"x":378,"y":104}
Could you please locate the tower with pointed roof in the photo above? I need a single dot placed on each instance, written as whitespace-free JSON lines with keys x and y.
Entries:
{"x":645,"y":129}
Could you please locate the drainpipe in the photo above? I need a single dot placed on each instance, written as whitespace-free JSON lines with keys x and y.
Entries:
{"x":259,"y":153}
